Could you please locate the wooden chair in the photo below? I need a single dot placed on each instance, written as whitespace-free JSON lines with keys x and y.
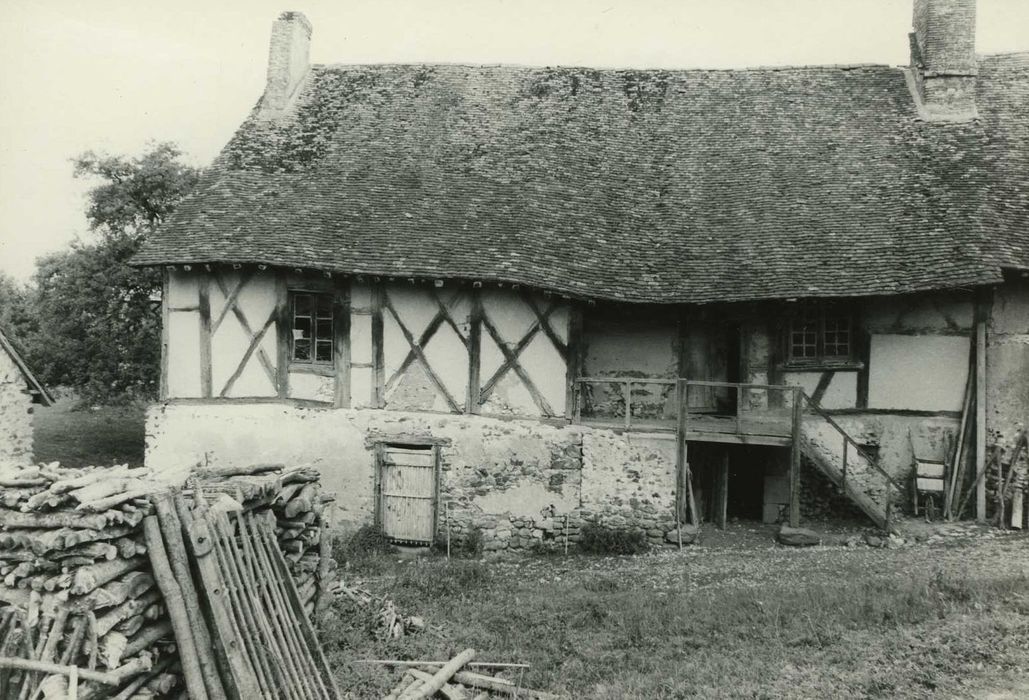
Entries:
{"x":928,"y":480}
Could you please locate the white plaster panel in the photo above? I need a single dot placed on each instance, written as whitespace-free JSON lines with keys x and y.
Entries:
{"x":361,"y":387}
{"x":448,"y":358}
{"x":361,"y":338}
{"x":490,"y":357}
{"x":258,"y":299}
{"x":312,"y":387}
{"x":360,"y":296}
{"x":183,"y":354}
{"x":508,"y":313}
{"x":254,"y":381}
{"x":1010,"y":312}
{"x":546,"y":368}
{"x":182,"y":289}
{"x":918,"y":372}
{"x":394,"y":345}
{"x":841,"y":392}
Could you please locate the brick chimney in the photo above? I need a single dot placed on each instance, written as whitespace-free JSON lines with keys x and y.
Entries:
{"x":943,"y":58}
{"x":287,"y":60}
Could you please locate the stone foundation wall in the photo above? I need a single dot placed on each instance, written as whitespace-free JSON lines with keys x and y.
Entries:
{"x":15,"y":414}
{"x":514,"y":480}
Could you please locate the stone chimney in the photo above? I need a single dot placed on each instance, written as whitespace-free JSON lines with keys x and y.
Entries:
{"x":287,"y":60}
{"x":943,"y":58}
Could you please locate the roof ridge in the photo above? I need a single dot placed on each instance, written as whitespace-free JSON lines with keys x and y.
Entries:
{"x":749,"y":69}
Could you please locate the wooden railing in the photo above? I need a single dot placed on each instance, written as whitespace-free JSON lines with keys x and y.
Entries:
{"x":627,"y":404}
{"x":848,"y":442}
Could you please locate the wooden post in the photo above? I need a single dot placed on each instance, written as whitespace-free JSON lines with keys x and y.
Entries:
{"x":378,"y":355}
{"x":680,"y":450}
{"x":204,"y":304}
{"x":178,"y":558}
{"x":575,"y":359}
{"x":176,"y":606}
{"x":474,"y":353}
{"x":721,"y":515}
{"x":341,"y":343}
{"x":627,"y":397}
{"x":165,"y":319}
{"x":795,"y":449}
{"x":981,"y":316}
{"x":284,"y":333}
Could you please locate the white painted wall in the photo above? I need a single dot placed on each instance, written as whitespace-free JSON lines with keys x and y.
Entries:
{"x":183,"y":358}
{"x":918,"y":372}
{"x":841,"y":393}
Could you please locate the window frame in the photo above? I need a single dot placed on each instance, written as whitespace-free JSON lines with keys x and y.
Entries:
{"x":313,"y":365}
{"x":821,"y":313}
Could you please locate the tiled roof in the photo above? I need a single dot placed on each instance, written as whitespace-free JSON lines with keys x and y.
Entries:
{"x":1003,"y":99}
{"x":648,"y":186}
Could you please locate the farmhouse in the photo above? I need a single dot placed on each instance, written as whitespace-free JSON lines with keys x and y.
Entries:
{"x":523,"y":298}
{"x":19,"y":390}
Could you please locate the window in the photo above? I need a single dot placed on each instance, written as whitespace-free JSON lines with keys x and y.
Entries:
{"x":312,"y":328}
{"x":820,"y":335}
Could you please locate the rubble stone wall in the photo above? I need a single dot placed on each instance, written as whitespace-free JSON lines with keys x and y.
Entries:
{"x":514,"y":480}
{"x":15,"y":414}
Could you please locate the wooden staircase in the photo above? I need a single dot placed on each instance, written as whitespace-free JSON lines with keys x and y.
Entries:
{"x":850,"y":467}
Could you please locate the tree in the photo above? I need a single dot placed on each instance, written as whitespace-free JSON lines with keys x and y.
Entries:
{"x":98,"y":317}
{"x":16,"y":318}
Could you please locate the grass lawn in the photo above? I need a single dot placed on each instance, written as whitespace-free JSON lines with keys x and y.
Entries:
{"x":947,"y":620}
{"x":83,"y":437}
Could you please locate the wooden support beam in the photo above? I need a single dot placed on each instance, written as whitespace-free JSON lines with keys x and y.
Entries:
{"x":165,"y":318}
{"x":575,"y":358}
{"x":982,"y":312}
{"x":284,"y":334}
{"x":474,"y":352}
{"x":341,"y":343}
{"x":795,"y":452}
{"x":722,"y":494}
{"x":204,"y":298}
{"x":378,"y":354}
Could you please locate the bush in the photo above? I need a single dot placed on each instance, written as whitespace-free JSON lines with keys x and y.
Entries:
{"x":597,"y":539}
{"x":365,"y":542}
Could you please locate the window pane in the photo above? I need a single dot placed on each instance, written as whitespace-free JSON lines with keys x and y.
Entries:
{"x":837,"y":337}
{"x":324,"y":329}
{"x":325,"y":305}
{"x":323,"y":350}
{"x":302,"y":304}
{"x":302,"y":350}
{"x":301,"y":327}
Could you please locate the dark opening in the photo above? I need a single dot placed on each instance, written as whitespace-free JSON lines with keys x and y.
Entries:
{"x":744,"y":470}
{"x":746,"y":482}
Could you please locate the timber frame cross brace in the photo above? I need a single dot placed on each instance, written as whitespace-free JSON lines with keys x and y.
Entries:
{"x":511,"y":363}
{"x":417,"y":345}
{"x":209,"y":328}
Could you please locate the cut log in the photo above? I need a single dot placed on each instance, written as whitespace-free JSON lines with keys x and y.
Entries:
{"x":174,"y":601}
{"x":89,"y":578}
{"x":432,"y":686}
{"x":448,"y":691}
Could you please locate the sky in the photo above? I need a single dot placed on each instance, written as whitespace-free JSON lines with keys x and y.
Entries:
{"x":113,"y":75}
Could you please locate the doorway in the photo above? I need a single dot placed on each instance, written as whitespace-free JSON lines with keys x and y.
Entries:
{"x":407,"y":490}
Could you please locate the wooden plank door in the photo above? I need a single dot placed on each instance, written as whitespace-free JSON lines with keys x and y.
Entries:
{"x":407,"y":492}
{"x":706,"y":357}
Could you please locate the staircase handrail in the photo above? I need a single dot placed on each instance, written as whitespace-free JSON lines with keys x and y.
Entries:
{"x":846,"y":436}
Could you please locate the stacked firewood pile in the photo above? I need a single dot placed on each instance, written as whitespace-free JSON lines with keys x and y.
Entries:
{"x":298,"y":502}
{"x":82,"y":608}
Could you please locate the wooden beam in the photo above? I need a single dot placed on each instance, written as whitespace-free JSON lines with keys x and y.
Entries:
{"x":341,"y":343}
{"x":165,"y":318}
{"x":544,"y":321}
{"x":982,"y":312}
{"x":795,"y":452}
{"x":204,"y":297}
{"x":283,"y":331}
{"x":776,"y":353}
{"x":863,"y":351}
{"x":575,"y":358}
{"x":230,"y":300}
{"x":474,"y":352}
{"x":722,"y":504}
{"x":378,"y":355}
